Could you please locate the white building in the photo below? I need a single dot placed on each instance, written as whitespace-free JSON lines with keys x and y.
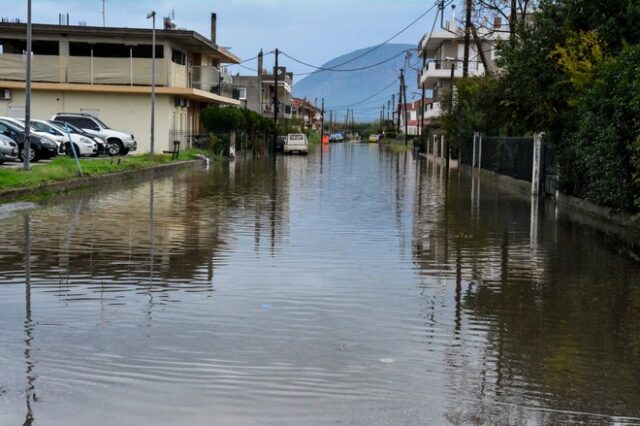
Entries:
{"x":443,"y":53}
{"x":106,"y":72}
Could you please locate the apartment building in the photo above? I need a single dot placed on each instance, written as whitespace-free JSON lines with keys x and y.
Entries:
{"x":443,"y":56}
{"x":257,"y":93}
{"x":413,"y":114}
{"x":306,"y":112}
{"x":107,"y":72}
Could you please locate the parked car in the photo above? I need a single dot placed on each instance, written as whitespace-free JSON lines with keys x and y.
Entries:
{"x":80,"y":136}
{"x":40,"y":147}
{"x":280,"y":141}
{"x":8,"y":149}
{"x":93,"y":125}
{"x":296,"y":142}
{"x":41,"y":128}
{"x":35,"y":131}
{"x":375,"y":138}
{"x":336,"y":137}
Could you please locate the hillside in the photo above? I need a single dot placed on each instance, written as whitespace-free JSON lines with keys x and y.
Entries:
{"x":341,"y":89}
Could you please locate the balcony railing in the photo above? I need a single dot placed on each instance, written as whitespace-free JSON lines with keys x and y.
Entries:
{"x":458,"y":65}
{"x":211,"y":79}
{"x":83,"y":70}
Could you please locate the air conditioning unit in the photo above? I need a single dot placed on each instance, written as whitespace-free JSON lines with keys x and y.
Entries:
{"x":5,"y":94}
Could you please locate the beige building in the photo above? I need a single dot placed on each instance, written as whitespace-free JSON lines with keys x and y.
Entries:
{"x":106,"y":72}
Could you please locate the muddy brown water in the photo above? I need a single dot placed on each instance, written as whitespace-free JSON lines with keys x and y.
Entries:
{"x":356,"y":287}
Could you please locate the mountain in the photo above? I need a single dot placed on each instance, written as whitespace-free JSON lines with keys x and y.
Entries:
{"x":342,"y":90}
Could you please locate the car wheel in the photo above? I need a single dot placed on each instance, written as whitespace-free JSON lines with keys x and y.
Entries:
{"x":125,"y":151}
{"x":113,"y":149}
{"x":1,"y":160}
{"x":33,"y":155}
{"x":70,"y":150}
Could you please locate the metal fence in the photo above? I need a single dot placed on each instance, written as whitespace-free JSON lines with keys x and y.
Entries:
{"x":507,"y":156}
{"x":188,"y":139}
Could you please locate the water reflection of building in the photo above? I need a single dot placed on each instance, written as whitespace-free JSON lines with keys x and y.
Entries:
{"x":539,"y":314}
{"x":173,"y":231}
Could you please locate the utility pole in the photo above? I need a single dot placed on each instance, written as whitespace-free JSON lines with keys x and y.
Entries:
{"x":322,"y":122}
{"x":513,"y":20}
{"x":393,"y":103}
{"x":259,"y":91}
{"x":26,"y":146}
{"x":400,"y":99}
{"x":404,"y":101}
{"x":276,"y":102}
{"x":422,"y":109}
{"x":447,"y":150}
{"x":330,"y":122}
{"x":467,"y":37}
{"x":152,"y":15}
{"x":104,"y":13}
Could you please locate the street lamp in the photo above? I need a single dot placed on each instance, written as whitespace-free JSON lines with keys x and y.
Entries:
{"x":152,"y":15}
{"x":26,"y":146}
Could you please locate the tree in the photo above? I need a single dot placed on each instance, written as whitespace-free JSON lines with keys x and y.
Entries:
{"x":223,"y":120}
{"x":606,"y":144}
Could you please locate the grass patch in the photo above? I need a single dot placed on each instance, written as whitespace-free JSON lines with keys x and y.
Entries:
{"x":396,"y":145}
{"x":64,"y":168}
{"x":314,"y":139}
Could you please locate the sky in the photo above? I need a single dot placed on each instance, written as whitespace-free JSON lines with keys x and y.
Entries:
{"x":314,"y":31}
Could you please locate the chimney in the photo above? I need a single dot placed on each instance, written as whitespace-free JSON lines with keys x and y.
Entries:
{"x":214,"y":28}
{"x":453,"y":24}
{"x":260,"y":63}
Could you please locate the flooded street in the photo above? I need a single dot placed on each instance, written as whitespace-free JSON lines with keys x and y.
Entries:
{"x":352,"y":288}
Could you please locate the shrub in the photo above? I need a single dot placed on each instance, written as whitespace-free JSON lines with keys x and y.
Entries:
{"x":606,"y":145}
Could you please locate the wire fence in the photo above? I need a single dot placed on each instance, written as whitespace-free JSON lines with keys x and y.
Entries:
{"x":508,"y":156}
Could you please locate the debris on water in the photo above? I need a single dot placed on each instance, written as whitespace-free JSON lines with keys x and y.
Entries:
{"x":387,"y":360}
{"x":266,"y":306}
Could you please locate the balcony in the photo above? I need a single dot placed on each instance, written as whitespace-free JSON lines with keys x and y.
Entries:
{"x":437,"y":70}
{"x":211,"y":79}
{"x":285,"y":111}
{"x":83,"y":70}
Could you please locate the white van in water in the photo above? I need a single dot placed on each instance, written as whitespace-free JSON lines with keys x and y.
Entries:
{"x":296,"y":142}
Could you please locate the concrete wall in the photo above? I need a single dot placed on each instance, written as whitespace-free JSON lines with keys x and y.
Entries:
{"x":126,"y":112}
{"x":253,"y":90}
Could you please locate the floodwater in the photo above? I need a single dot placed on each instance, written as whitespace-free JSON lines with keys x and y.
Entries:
{"x":356,"y":287}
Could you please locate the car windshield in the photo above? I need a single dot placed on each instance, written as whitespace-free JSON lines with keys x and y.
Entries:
{"x":71,"y":128}
{"x":13,"y":126}
{"x":100,"y":122}
{"x":43,"y":127}
{"x":15,"y":123}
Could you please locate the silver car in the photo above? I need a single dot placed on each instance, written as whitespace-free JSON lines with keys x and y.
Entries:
{"x":8,"y":149}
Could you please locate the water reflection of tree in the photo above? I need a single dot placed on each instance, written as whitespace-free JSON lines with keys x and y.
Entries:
{"x":559,"y":313}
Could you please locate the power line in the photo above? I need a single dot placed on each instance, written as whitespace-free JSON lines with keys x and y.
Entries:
{"x":346,"y":70}
{"x":367,"y":98}
{"x":256,"y":57}
{"x":374,"y":48}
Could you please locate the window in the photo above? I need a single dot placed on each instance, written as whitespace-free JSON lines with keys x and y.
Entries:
{"x":178,"y":57}
{"x":242,"y":93}
{"x":82,"y":122}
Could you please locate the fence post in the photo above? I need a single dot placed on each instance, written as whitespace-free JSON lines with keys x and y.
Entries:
{"x":480,"y":152}
{"x":475,"y":146}
{"x":537,"y":169}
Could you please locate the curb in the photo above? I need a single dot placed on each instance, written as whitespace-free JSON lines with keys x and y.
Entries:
{"x":89,"y":181}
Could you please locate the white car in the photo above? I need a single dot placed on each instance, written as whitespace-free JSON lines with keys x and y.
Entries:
{"x":36,"y":131}
{"x":296,"y":142}
{"x":124,"y":141}
{"x":8,"y":149}
{"x":83,"y":144}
